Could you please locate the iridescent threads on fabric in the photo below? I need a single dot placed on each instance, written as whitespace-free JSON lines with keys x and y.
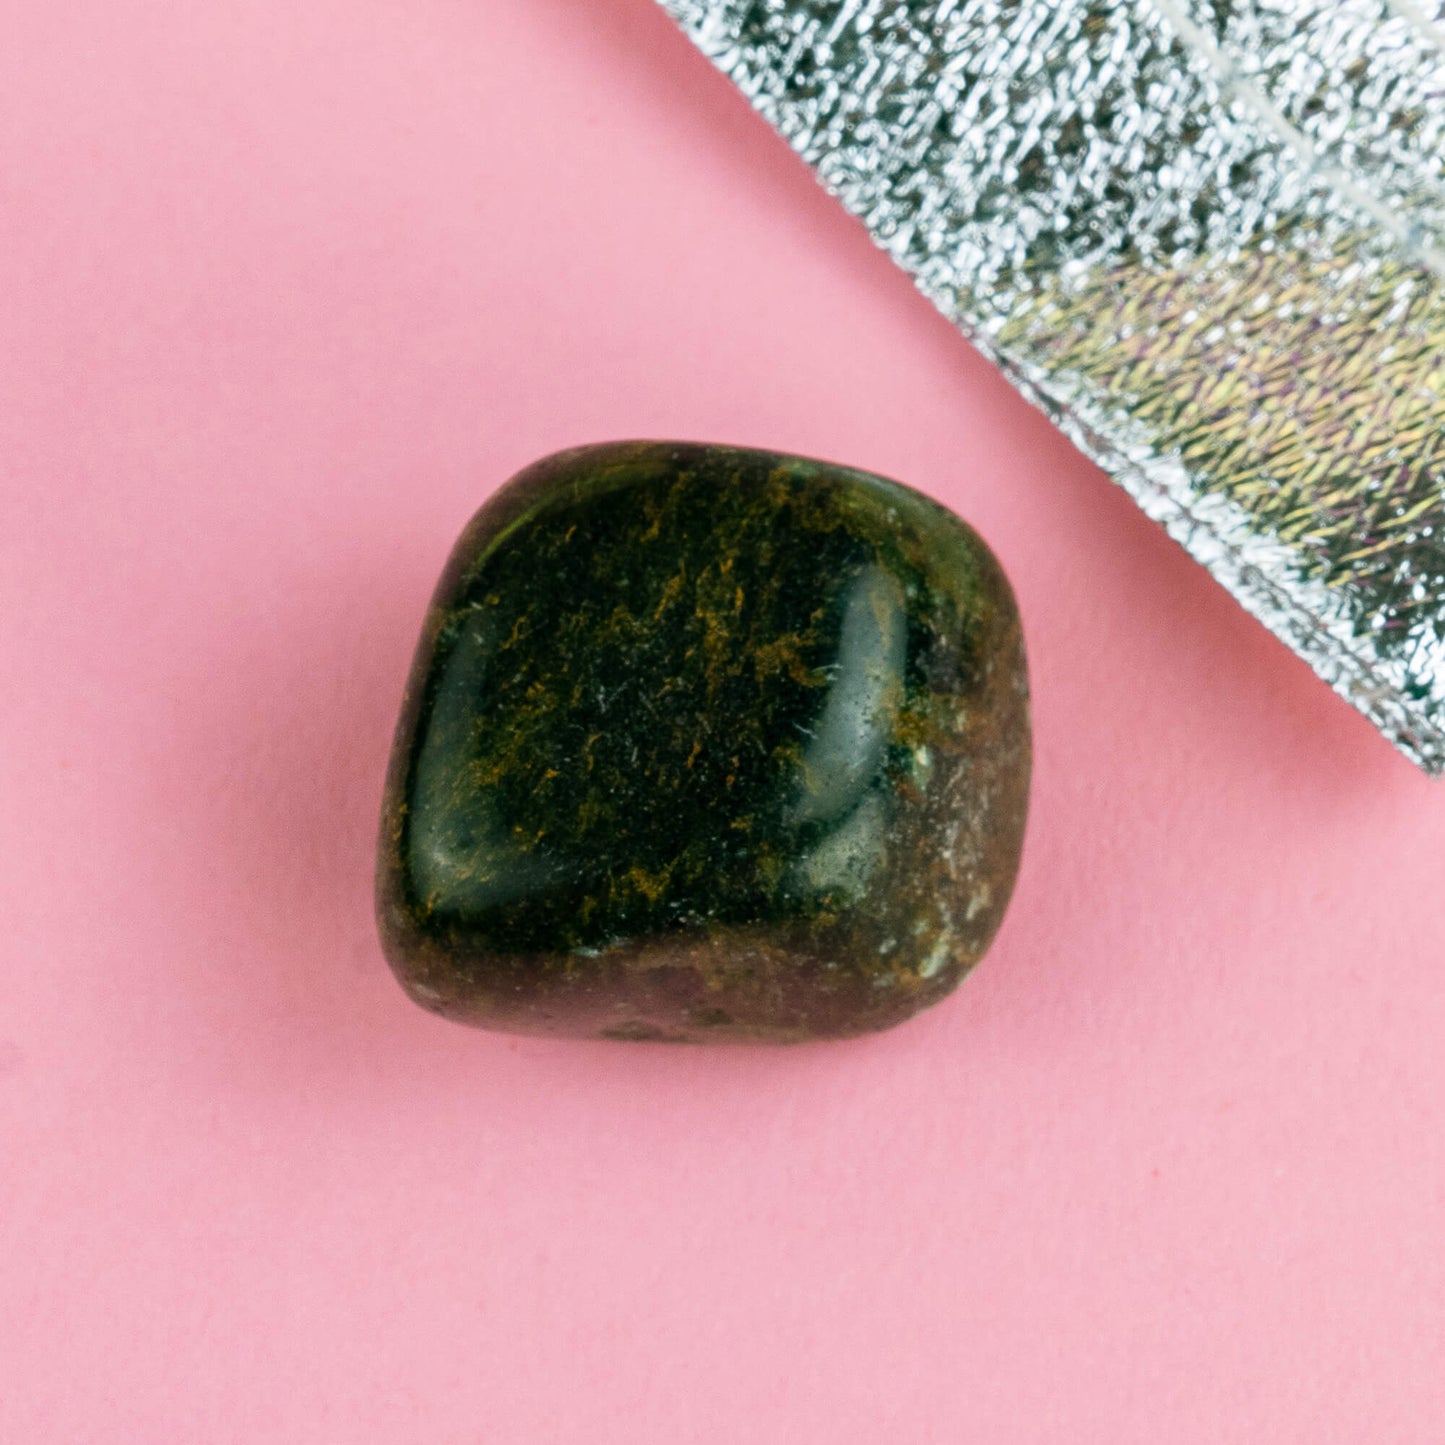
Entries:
{"x":1207,"y":237}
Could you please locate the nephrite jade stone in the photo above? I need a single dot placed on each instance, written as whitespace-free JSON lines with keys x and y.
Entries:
{"x":700,"y":744}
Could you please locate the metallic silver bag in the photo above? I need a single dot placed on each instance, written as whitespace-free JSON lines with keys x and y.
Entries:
{"x":1207,"y":237}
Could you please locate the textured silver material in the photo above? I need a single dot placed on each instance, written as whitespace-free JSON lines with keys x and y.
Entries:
{"x":1207,"y":237}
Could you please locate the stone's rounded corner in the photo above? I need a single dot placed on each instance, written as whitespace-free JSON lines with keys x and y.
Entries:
{"x":424,"y":995}
{"x":705,"y":744}
{"x":557,"y":477}
{"x":397,"y":939}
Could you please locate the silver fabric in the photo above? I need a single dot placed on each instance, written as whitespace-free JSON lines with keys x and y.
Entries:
{"x":1207,"y":237}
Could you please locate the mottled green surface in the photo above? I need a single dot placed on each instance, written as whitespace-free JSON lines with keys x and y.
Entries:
{"x":704,"y":743}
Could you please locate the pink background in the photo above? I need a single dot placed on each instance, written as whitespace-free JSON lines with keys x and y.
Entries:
{"x":286,"y":287}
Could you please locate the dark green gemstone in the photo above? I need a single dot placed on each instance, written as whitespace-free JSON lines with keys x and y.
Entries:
{"x":703,"y":743}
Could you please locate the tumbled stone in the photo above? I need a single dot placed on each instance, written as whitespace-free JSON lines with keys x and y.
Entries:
{"x":703,"y":743}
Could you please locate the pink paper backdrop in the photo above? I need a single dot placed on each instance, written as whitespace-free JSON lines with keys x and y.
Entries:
{"x":286,"y":287}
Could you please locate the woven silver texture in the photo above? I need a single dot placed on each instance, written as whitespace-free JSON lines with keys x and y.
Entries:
{"x":1207,"y":237}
